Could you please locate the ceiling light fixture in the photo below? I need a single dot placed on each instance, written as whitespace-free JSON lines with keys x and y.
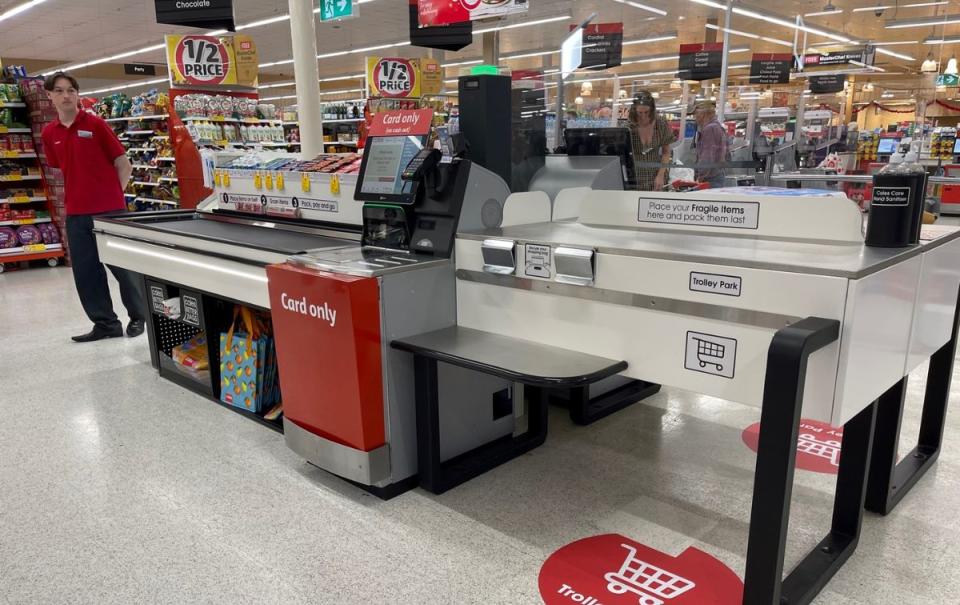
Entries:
{"x":870,"y":9}
{"x":125,"y":86}
{"x":754,"y":13}
{"x":922,"y":22}
{"x":929,"y":65}
{"x":890,"y":53}
{"x":951,"y":69}
{"x":524,"y":24}
{"x":16,"y":10}
{"x":828,"y":9}
{"x":650,"y":9}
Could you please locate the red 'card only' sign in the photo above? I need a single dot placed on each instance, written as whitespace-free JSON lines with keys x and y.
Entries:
{"x":411,"y":122}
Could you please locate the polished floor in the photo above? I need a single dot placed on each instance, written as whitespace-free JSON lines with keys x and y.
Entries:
{"x":119,"y":487}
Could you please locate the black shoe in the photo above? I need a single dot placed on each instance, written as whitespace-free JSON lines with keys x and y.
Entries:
{"x":98,"y":333}
{"x":135,"y":328}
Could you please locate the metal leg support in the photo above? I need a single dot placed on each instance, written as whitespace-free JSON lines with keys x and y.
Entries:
{"x":889,"y":481}
{"x":773,"y":480}
{"x":585,"y":410}
{"x":438,"y":477}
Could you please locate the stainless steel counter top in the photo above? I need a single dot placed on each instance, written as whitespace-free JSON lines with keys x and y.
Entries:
{"x":851,"y":261}
{"x":363,"y":262}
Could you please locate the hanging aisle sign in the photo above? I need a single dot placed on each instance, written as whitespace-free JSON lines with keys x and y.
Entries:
{"x":863,"y":55}
{"x":602,"y":45}
{"x":209,"y":14}
{"x":700,"y":61}
{"x":820,"y":85}
{"x":212,"y":61}
{"x":445,"y":12}
{"x":332,"y":10}
{"x":770,"y":68}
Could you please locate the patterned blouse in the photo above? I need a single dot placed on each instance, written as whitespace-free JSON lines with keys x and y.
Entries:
{"x":652,"y":152}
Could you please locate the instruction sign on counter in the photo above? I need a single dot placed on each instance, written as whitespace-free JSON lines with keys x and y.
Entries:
{"x":730,"y":215}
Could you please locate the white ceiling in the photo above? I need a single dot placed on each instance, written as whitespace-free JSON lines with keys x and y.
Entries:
{"x":72,"y":31}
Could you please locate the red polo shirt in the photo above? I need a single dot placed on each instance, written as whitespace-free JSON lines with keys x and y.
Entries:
{"x":85,"y":152}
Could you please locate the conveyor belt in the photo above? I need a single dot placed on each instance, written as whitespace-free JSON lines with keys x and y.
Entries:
{"x":264,"y":238}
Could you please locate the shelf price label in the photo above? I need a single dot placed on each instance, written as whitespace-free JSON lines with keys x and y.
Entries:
{"x":4,"y":130}
{"x":226,"y":179}
{"x":269,"y":181}
{"x":35,"y":248}
{"x":218,"y":119}
{"x":19,"y":199}
{"x":9,"y":154}
{"x":305,"y":182}
{"x":334,"y":184}
{"x":258,"y":180}
{"x":216,"y":178}
{"x":24,"y":221}
{"x":280,"y":183}
{"x":11,"y":177}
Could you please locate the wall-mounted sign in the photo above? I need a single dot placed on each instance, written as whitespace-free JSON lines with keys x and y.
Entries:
{"x":331,"y":10}
{"x":770,"y":68}
{"x":212,"y":60}
{"x":138,"y":69}
{"x":700,"y":61}
{"x":397,"y":77}
{"x":444,"y":12}
{"x":208,"y":14}
{"x":602,"y":45}
{"x":412,"y":122}
{"x":820,"y":85}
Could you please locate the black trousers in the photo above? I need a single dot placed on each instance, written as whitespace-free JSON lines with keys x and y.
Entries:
{"x":91,"y":277}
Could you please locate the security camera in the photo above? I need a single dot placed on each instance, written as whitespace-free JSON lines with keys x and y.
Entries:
{"x":878,"y":11}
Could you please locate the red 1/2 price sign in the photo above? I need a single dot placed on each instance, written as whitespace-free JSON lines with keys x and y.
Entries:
{"x":200,"y":60}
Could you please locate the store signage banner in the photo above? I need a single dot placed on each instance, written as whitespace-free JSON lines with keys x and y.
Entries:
{"x":700,"y":61}
{"x":332,"y":10}
{"x":209,"y":14}
{"x":442,"y":37}
{"x":770,"y":68}
{"x":138,"y":69}
{"x":412,"y":122}
{"x":948,"y":80}
{"x":863,"y":55}
{"x":212,"y":61}
{"x":826,"y":84}
{"x":400,"y":78}
{"x":602,"y":45}
{"x":445,"y":12}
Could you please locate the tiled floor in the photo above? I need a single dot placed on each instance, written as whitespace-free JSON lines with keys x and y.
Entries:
{"x":119,"y":487}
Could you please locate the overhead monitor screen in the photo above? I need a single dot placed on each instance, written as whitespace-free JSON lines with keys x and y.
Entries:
{"x":383,"y":161}
{"x":888,"y":146}
{"x":571,"y":53}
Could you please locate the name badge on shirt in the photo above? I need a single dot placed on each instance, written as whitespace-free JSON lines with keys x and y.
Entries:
{"x":85,"y":134}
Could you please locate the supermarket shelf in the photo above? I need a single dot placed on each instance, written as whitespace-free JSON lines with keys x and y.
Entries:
{"x":21,"y":200}
{"x":230,"y":120}
{"x":160,"y":136}
{"x":19,"y":177}
{"x":338,"y":120}
{"x":7,"y":155}
{"x":151,"y":200}
{"x":24,"y":221}
{"x":167,"y":179}
{"x":343,"y":143}
{"x":145,"y":184}
{"x":173,"y":160}
{"x":11,"y":104}
{"x":138,"y":118}
{"x":139,"y":132}
{"x":15,"y":255}
{"x":130,"y":195}
{"x":146,"y":167}
{"x":141,"y":149}
{"x":5,"y":130}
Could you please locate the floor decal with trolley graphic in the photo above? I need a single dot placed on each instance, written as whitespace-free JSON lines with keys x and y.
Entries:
{"x":818,"y":445}
{"x":612,"y":569}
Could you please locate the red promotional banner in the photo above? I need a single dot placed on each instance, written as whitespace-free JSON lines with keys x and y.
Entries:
{"x":445,"y":12}
{"x":614,"y":570}
{"x":414,"y":122}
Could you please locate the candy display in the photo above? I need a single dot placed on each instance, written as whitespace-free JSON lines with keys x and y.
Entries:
{"x":8,"y":168}
{"x":49,"y":233}
{"x":10,"y":93}
{"x":120,"y":105}
{"x":8,"y":238}
{"x":210,"y":106}
{"x":17,"y":143}
{"x":344,"y":163}
{"x":29,"y":235}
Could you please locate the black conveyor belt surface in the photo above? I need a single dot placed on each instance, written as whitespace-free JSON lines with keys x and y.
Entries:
{"x":264,"y":238}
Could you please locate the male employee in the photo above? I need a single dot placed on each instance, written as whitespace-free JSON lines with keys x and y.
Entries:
{"x":95,"y":171}
{"x":711,"y":143}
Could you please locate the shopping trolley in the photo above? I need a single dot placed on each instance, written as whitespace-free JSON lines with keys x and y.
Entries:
{"x":710,"y":353}
{"x":830,"y":449}
{"x":646,"y":580}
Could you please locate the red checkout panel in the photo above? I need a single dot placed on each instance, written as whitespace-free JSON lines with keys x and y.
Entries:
{"x":328,"y":337}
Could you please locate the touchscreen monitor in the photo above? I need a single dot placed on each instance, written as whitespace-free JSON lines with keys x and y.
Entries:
{"x":888,"y":146}
{"x":384,"y":159}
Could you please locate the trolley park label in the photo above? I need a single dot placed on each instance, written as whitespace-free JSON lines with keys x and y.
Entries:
{"x":614,"y":570}
{"x":713,"y":283}
{"x":728,"y":215}
{"x":818,"y":445}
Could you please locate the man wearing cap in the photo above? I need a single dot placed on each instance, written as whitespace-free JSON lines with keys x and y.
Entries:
{"x":95,"y":171}
{"x":710,"y":143}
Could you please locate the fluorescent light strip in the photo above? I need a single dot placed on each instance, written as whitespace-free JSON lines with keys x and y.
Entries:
{"x":648,"y":40}
{"x":516,"y":25}
{"x":870,"y":9}
{"x":16,"y":10}
{"x":644,"y":7}
{"x":775,"y":19}
{"x":890,"y":53}
{"x":125,"y":86}
{"x":943,"y":40}
{"x":836,"y":11}
{"x":923,"y":22}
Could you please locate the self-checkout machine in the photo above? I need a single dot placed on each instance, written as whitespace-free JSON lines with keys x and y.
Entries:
{"x":769,"y":301}
{"x":348,"y":397}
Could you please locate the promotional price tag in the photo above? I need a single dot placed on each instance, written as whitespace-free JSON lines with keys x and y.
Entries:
{"x":4,"y":130}
{"x":281,"y":185}
{"x":9,"y":154}
{"x":12,"y":177}
{"x":218,"y":119}
{"x":334,"y":184}
{"x":226,"y":179}
{"x":305,"y":182}
{"x":35,"y":248}
{"x":269,"y":180}
{"x":222,"y":143}
{"x":216,"y":178}
{"x":23,"y":221}
{"x":19,"y":199}
{"x":258,"y":180}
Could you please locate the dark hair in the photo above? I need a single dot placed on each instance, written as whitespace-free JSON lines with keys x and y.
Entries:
{"x":50,"y":82}
{"x":643,"y":98}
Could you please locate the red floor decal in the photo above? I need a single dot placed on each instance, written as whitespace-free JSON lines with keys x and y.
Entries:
{"x":614,"y":570}
{"x":818,"y":446}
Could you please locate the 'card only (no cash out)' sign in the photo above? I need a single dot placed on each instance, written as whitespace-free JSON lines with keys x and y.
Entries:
{"x":208,"y":14}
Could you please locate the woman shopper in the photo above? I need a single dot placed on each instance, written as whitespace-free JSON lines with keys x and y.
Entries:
{"x":651,"y":137}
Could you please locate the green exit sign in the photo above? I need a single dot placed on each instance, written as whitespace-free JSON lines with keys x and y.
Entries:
{"x":948,"y":80}
{"x":331,"y":10}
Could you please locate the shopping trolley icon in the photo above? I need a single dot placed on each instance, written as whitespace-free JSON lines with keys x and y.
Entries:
{"x":655,"y":586}
{"x":830,"y":449}
{"x":711,"y":353}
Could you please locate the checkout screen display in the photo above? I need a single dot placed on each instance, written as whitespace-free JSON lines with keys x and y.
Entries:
{"x":386,"y":159}
{"x":888,"y":145}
